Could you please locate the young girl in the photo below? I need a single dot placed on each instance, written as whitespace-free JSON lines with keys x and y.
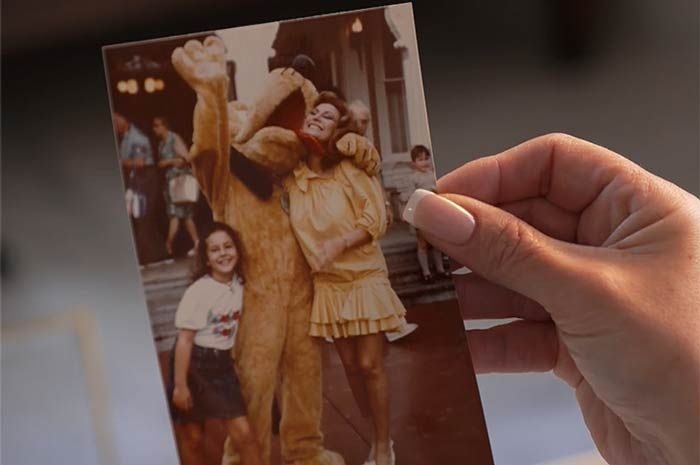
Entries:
{"x":205,"y":385}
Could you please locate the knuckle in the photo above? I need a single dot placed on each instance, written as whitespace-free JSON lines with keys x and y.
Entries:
{"x":512,"y":244}
{"x":558,"y":138}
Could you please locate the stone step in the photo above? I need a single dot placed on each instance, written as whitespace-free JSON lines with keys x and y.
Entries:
{"x":421,"y":288}
{"x":392,"y":248}
{"x":407,"y":255}
{"x":162,"y":314}
{"x":424,"y":293}
{"x":415,"y":279}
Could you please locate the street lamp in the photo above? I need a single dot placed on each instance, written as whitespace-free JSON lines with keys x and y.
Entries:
{"x":356,"y":26}
{"x":356,"y":38}
{"x":132,"y":86}
{"x":149,"y":85}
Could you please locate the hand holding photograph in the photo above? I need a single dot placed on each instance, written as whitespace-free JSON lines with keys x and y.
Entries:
{"x":297,"y":319}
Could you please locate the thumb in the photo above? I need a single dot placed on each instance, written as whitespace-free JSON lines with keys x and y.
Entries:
{"x":493,"y":243}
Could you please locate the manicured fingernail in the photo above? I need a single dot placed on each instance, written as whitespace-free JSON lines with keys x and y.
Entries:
{"x":438,"y":216}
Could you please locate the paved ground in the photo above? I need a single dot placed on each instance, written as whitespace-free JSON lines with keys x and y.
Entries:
{"x":436,"y":411}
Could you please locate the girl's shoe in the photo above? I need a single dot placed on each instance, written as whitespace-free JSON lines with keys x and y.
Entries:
{"x":427,"y":278}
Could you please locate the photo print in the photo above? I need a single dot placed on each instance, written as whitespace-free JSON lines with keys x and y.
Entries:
{"x":297,"y":318}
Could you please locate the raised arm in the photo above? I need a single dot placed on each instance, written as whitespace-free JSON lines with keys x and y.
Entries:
{"x":203,"y":67}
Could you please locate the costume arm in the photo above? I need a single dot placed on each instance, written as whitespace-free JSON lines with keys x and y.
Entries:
{"x":203,"y":67}
{"x":209,"y":152}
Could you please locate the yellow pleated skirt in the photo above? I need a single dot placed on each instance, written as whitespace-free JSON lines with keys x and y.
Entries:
{"x":364,"y":306}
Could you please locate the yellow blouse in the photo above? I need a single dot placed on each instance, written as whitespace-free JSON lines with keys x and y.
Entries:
{"x":352,"y":296}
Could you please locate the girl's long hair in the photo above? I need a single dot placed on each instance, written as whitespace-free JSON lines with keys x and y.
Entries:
{"x":201,"y":267}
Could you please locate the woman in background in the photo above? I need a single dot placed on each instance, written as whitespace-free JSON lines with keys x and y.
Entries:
{"x":172,"y":152}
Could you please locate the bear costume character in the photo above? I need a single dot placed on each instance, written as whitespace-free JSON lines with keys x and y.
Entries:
{"x":241,"y":156}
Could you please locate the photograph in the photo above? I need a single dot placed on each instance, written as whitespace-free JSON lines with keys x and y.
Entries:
{"x":297,"y":317}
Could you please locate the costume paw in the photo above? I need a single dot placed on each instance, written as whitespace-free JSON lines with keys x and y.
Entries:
{"x":325,"y":457}
{"x":202,"y":65}
{"x":361,"y":150}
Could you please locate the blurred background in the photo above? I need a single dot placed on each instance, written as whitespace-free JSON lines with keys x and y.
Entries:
{"x":80,"y":382}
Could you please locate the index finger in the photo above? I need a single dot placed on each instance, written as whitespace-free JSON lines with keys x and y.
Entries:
{"x":567,"y":171}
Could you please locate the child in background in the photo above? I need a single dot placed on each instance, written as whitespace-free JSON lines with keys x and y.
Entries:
{"x":423,"y":177}
{"x":205,"y":386}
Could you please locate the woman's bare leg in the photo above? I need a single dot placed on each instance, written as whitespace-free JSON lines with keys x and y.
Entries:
{"x":172,"y":231}
{"x":347,"y":350}
{"x":371,"y":358}
{"x":192,"y":230}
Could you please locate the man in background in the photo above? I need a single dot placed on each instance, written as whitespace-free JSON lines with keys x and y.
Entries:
{"x":141,"y":178}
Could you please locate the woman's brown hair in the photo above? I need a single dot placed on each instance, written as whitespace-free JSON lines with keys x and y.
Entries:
{"x":333,"y":156}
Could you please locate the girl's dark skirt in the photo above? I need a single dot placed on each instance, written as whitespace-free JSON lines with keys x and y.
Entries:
{"x":216,"y":392}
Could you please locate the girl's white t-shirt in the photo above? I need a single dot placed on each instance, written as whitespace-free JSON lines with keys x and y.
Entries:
{"x":213,"y":309}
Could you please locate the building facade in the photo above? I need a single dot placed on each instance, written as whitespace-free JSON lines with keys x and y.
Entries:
{"x":370,"y":55}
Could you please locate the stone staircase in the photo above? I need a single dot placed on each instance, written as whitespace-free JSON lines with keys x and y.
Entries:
{"x":164,"y":284}
{"x":399,"y":247}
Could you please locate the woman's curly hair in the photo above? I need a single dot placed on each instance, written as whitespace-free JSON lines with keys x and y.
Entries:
{"x":345,"y":125}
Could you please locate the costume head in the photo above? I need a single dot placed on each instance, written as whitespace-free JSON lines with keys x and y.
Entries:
{"x":286,"y":98}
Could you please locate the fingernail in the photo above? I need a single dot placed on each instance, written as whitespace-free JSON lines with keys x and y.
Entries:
{"x":438,"y":216}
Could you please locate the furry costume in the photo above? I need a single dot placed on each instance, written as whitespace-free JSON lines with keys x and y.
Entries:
{"x":273,"y":344}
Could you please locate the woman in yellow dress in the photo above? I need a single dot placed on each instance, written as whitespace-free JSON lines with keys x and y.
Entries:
{"x":337,"y":213}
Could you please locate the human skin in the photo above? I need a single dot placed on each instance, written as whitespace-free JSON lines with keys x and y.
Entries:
{"x":599,"y":260}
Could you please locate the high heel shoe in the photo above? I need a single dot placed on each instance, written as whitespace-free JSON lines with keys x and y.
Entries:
{"x":392,"y":456}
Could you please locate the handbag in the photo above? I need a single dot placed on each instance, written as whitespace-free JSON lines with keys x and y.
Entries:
{"x":183,"y":189}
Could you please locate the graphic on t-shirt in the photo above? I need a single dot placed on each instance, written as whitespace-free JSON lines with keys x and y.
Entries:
{"x":224,"y":324}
